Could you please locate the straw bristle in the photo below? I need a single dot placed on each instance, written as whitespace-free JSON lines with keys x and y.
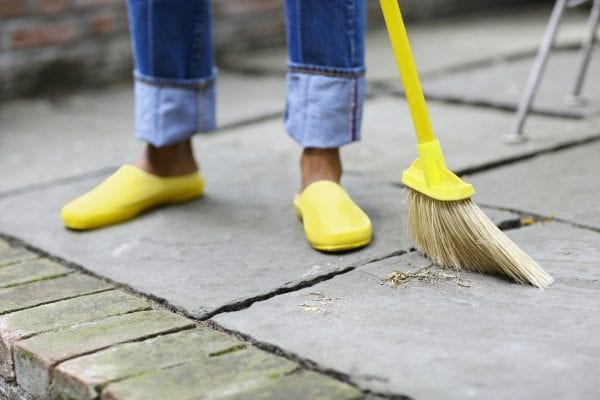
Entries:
{"x":458,"y":234}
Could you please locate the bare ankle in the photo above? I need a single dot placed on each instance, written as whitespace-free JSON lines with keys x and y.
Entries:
{"x":320,"y":164}
{"x":171,"y":160}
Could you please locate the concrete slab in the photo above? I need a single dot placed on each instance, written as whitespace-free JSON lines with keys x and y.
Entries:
{"x":243,"y":240}
{"x":468,"y":337}
{"x":446,"y":43}
{"x":35,"y":135}
{"x":502,"y":84}
{"x":471,"y":137}
{"x":563,"y":184}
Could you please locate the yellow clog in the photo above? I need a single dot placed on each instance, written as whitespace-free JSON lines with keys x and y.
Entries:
{"x":127,"y":193}
{"x":332,"y":222}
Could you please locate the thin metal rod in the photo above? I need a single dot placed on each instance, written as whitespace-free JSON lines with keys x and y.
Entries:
{"x":586,"y":49}
{"x":575,"y":3}
{"x":515,"y":135}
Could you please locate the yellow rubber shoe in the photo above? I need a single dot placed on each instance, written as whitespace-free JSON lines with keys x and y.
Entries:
{"x":332,"y":222}
{"x":127,"y":193}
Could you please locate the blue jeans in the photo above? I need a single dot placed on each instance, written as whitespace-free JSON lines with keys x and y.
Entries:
{"x":175,"y":73}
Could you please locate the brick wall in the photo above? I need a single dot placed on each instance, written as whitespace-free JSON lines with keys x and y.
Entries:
{"x":47,"y":45}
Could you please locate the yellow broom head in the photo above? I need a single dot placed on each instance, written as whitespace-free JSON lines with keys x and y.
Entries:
{"x":458,"y":234}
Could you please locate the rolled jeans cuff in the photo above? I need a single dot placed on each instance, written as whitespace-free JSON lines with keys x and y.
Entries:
{"x":324,"y":111}
{"x":170,"y":112}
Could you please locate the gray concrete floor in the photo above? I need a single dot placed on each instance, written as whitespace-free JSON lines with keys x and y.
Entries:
{"x":239,"y":257}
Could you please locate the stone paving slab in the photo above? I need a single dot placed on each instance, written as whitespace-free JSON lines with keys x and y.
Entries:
{"x":303,"y":385}
{"x":36,"y":357}
{"x":219,"y":376}
{"x":14,"y":255}
{"x":61,"y":314}
{"x":84,"y":377}
{"x":245,"y":227}
{"x":563,"y":184}
{"x":30,"y":271}
{"x":473,"y":338}
{"x":471,"y":137}
{"x":32,"y":294}
{"x":445,"y":43}
{"x":501,"y":85}
{"x":79,"y":125}
{"x":242,"y":240}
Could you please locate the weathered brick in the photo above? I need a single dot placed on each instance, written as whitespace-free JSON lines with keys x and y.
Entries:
{"x":15,"y":254}
{"x":27,"y":323}
{"x":32,"y":294}
{"x":44,"y":35}
{"x":301,"y":386}
{"x":103,"y":24}
{"x":212,"y":378}
{"x":96,"y":3}
{"x":36,"y":357}
{"x":52,"y":6}
{"x":83,"y":377}
{"x":12,"y":8}
{"x":30,"y":271}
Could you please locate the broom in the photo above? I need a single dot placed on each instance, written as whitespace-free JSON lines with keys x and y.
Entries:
{"x":447,"y":225}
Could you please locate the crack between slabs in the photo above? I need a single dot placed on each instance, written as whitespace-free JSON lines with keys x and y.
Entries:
{"x":204,"y":321}
{"x":248,"y":302}
{"x":541,"y":217}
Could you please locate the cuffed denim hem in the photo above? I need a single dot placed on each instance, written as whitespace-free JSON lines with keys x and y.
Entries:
{"x":169,"y":113}
{"x":196,"y":83}
{"x":326,"y":70}
{"x":324,"y":111}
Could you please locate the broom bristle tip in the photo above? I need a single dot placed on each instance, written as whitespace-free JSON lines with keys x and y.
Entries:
{"x":458,"y":234}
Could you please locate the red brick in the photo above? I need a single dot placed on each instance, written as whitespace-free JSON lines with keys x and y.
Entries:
{"x":43,"y":35}
{"x":12,"y":8}
{"x":94,"y":3}
{"x":103,"y":24}
{"x":52,"y":6}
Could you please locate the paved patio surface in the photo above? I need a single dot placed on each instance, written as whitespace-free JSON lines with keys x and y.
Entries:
{"x":222,"y":297}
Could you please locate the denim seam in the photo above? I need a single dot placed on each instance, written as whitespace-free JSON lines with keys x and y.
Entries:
{"x":314,"y":70}
{"x":156,"y":118}
{"x":197,"y":115}
{"x":196,"y":43}
{"x":197,"y":86}
{"x":305,"y":111}
{"x":299,"y":31}
{"x":150,"y":38}
{"x":350,"y":110}
{"x":201,"y":125}
{"x":351,"y":21}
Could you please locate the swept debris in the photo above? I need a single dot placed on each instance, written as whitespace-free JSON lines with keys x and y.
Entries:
{"x":425,"y":275}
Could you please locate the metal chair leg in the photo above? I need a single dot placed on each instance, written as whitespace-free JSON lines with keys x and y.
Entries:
{"x":574,"y":98}
{"x":515,"y":135}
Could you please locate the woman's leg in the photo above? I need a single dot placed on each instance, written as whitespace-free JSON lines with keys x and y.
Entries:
{"x":325,"y":95}
{"x":174,"y":87}
{"x":326,"y":85}
{"x":174,"y":98}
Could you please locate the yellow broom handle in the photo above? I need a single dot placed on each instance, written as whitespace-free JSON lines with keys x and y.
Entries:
{"x":408,"y":70}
